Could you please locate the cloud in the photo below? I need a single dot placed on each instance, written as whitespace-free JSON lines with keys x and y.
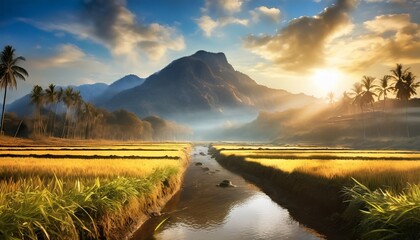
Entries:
{"x":65,"y":54}
{"x":300,"y":46}
{"x":265,"y":13}
{"x":112,"y":24}
{"x":391,"y":38}
{"x":218,"y":14}
{"x":230,"y":5}
{"x":393,"y":22}
{"x":223,"y":7}
{"x":207,"y":24}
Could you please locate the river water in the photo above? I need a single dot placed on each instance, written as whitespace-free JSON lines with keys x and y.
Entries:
{"x":204,"y":211}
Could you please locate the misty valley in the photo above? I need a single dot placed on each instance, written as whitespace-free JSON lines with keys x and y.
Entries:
{"x":210,"y":119}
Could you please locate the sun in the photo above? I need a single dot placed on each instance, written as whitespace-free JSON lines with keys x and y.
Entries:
{"x":326,"y":80}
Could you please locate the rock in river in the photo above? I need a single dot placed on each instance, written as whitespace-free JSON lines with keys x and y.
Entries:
{"x":226,"y":183}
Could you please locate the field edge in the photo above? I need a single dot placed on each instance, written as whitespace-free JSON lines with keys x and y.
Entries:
{"x":290,"y":191}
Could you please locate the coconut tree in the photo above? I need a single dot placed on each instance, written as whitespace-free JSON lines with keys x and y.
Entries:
{"x":398,"y":75}
{"x":405,"y":87}
{"x":59,"y":99}
{"x":356,"y":93}
{"x":67,"y":99}
{"x":368,"y":88}
{"x":77,"y":109}
{"x":9,"y":72}
{"x":408,"y":87}
{"x":51,"y":100}
{"x":368,"y":97}
{"x":384,"y":88}
{"x":37,"y":98}
{"x":86,"y":116}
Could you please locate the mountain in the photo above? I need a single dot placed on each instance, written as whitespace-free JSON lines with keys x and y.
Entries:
{"x":124,"y":83}
{"x":200,"y":88}
{"x":22,"y":106}
{"x":97,"y":92}
{"x":89,"y":92}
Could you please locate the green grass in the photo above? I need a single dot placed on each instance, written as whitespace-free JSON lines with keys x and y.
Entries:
{"x":383,"y":214}
{"x":60,"y":208}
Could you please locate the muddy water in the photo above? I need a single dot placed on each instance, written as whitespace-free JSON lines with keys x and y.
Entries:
{"x":201,"y":210}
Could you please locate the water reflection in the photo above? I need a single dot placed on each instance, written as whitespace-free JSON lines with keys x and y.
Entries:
{"x":203,"y":211}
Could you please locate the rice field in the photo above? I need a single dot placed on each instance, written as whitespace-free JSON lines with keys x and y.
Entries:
{"x":380,"y":188}
{"x":391,"y":169}
{"x":79,"y":192}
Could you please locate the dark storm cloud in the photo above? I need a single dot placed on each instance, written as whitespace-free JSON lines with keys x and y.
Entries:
{"x":112,"y":23}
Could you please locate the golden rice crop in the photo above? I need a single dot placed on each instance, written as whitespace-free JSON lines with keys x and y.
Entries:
{"x":79,"y":198}
{"x":381,"y":186}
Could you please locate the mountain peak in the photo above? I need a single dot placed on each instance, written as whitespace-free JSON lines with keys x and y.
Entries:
{"x":213,"y":59}
{"x":203,"y":54}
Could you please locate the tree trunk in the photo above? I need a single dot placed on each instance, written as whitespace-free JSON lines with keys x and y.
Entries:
{"x":364,"y":124}
{"x":406,"y":118}
{"x":2,"y":111}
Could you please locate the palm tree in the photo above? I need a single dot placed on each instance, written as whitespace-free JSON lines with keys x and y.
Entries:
{"x":51,"y":99}
{"x":405,"y":87}
{"x":356,"y":92}
{"x":87,"y":113}
{"x":73,"y":101}
{"x":384,"y":88}
{"x":398,"y":75}
{"x":368,"y":97}
{"x":9,"y":72}
{"x":367,"y":94}
{"x":67,"y":99}
{"x":77,"y":104}
{"x":410,"y":86}
{"x":59,"y":98}
{"x":37,"y":98}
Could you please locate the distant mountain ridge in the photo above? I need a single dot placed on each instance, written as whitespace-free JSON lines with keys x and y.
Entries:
{"x":124,"y":83}
{"x":93,"y":93}
{"x":202,"y":84}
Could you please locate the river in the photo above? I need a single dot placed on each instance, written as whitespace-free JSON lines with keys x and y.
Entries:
{"x":204,"y":211}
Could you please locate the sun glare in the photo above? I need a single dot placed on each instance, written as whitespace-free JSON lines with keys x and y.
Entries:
{"x":325,"y":80}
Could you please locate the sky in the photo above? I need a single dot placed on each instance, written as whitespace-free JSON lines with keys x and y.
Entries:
{"x":308,"y":46}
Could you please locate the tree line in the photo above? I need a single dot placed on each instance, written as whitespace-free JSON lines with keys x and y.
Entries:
{"x":370,"y":90}
{"x":62,"y":112}
{"x":401,"y":82}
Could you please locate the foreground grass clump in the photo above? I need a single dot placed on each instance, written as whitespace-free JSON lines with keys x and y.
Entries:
{"x":61,"y":209}
{"x":386,"y":215}
{"x":84,"y":199}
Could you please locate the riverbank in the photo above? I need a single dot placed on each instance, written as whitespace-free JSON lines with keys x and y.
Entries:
{"x":324,"y":182}
{"x":294,"y":192}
